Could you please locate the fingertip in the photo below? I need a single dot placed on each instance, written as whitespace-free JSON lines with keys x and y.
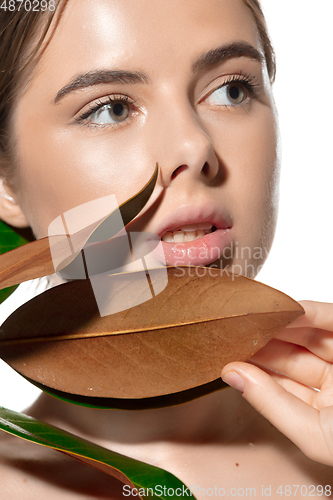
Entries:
{"x":234,"y":380}
{"x":238,"y":374}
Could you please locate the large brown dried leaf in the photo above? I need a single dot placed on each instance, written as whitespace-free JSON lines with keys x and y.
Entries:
{"x":34,"y":259}
{"x":178,"y":340}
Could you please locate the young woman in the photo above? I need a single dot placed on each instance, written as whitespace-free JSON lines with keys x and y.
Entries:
{"x":87,"y":110}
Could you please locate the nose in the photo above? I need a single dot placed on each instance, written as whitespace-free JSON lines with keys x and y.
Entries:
{"x":187,"y":148}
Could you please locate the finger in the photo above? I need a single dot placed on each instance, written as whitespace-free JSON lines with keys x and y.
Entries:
{"x":319,"y":342}
{"x":294,"y":361}
{"x":318,"y":399}
{"x":317,"y":315}
{"x":306,"y":394}
{"x":289,"y":414}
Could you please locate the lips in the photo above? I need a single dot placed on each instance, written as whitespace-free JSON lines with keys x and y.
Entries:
{"x":213,"y":233}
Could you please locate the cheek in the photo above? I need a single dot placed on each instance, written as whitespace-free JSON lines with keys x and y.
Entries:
{"x":60,"y":170}
{"x":248,"y":152}
{"x":256,"y":174}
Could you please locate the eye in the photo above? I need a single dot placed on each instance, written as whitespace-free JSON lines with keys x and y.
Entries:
{"x":234,"y":91}
{"x":228,"y":95}
{"x":115,"y":110}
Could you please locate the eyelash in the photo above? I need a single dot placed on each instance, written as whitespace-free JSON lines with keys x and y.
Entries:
{"x":96,"y":106}
{"x":244,"y":79}
{"x":247,"y":80}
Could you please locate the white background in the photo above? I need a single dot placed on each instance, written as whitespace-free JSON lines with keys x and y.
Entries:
{"x":300,"y":263}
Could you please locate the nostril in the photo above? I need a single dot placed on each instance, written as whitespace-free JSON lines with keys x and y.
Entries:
{"x":205,"y":169}
{"x":178,"y":171}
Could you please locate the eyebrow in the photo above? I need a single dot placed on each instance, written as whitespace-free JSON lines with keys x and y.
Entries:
{"x":99,"y":77}
{"x":207,"y":60}
{"x":222,"y":54}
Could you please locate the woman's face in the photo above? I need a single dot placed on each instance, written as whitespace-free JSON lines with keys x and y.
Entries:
{"x":124,"y":84}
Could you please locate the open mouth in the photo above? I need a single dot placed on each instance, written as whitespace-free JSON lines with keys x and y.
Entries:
{"x":194,"y":244}
{"x":188,"y":233}
{"x":195,"y":235}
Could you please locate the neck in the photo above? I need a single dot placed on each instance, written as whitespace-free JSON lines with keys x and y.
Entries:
{"x":112,"y":428}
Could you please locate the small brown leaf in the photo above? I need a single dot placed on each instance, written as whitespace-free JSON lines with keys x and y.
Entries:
{"x":26,"y":262}
{"x":178,"y":340}
{"x":34,"y":259}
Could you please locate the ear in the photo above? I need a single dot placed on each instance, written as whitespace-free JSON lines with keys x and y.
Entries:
{"x":10,"y":209}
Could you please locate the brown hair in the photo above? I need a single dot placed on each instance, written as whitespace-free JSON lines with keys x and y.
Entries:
{"x":259,"y":17}
{"x":18,"y":48}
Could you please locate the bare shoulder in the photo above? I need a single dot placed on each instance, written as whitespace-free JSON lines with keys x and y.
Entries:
{"x":28,"y":470}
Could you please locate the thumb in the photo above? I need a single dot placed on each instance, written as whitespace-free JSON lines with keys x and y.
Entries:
{"x":289,"y":414}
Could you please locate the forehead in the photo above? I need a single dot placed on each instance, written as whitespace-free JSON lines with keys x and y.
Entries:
{"x":100,"y":33}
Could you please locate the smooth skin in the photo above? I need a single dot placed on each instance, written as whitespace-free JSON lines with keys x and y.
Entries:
{"x":210,"y":149}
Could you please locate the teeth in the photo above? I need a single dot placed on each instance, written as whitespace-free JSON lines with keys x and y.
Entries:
{"x":200,"y":233}
{"x":190,"y":235}
{"x":185,"y":234}
{"x":168,"y":237}
{"x":178,"y":237}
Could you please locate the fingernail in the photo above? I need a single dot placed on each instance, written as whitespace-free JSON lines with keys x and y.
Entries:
{"x":234,"y":380}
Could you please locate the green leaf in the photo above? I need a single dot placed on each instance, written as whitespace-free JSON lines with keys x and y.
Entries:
{"x":139,"y":475}
{"x":133,"y":404}
{"x":9,"y":240}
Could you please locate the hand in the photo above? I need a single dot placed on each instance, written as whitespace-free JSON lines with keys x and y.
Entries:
{"x":293,"y":388}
